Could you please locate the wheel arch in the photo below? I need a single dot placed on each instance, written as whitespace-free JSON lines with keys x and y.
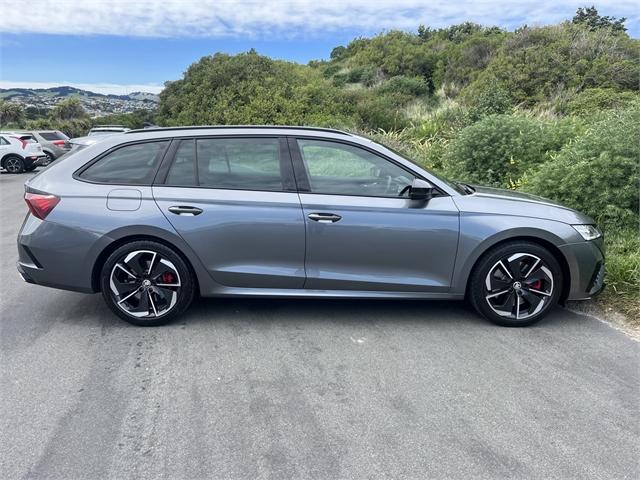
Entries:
{"x":8,"y":155}
{"x":113,"y":246}
{"x":545,"y":243}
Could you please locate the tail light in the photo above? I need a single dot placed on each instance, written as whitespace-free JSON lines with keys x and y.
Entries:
{"x":22,"y":142}
{"x":40,"y":204}
{"x":59,"y":143}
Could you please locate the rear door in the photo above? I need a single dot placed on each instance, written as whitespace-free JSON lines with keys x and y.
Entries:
{"x":233,"y":200}
{"x":363,"y":233}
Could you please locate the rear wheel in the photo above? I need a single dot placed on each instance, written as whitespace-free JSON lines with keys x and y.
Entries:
{"x":146,"y":283}
{"x":50,"y":158}
{"x":516,"y":284}
{"x":14,"y":164}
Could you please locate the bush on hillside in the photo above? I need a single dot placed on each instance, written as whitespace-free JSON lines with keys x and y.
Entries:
{"x":594,"y":100}
{"x":407,"y":86}
{"x":492,"y":100}
{"x":250,"y":89}
{"x":598,"y":173}
{"x":497,"y":150}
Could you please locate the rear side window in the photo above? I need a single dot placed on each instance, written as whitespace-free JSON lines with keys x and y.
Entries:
{"x":3,"y":141}
{"x":183,"y":169}
{"x":51,"y":136}
{"x":239,"y":163}
{"x":131,"y":164}
{"x":228,"y":163}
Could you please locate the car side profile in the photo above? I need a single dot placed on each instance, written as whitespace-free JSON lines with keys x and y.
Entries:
{"x":152,"y":218}
{"x":54,"y":142}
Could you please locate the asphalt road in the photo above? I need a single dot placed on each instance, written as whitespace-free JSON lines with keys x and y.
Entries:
{"x":300,"y":389}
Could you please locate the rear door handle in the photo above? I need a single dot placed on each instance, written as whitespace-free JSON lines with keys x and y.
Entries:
{"x":325,"y":217}
{"x":183,"y":210}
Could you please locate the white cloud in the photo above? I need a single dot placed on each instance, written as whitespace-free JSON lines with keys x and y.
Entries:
{"x":104,"y":88}
{"x":284,"y":18}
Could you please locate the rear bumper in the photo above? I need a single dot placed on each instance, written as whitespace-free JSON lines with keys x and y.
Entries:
{"x":55,"y":256}
{"x":587,"y":269}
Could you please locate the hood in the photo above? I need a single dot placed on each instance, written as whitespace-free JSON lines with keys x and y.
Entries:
{"x":512,"y":194}
{"x":509,"y":202}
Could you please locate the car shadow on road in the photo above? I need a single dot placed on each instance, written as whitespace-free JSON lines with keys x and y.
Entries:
{"x":90,"y":311}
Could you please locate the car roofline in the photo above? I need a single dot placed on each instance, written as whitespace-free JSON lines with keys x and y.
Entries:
{"x":238,"y":127}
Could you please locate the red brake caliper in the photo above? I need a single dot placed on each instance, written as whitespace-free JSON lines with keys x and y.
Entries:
{"x":167,"y":277}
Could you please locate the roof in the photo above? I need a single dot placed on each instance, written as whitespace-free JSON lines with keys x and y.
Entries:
{"x":240,"y":127}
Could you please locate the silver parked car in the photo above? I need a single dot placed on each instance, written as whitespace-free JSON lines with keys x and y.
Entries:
{"x":54,"y":142}
{"x":151,"y":218}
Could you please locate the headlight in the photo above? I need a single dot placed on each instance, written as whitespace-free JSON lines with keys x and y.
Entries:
{"x":588,"y":232}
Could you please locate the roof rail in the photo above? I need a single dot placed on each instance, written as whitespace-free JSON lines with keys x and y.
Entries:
{"x":222,"y":127}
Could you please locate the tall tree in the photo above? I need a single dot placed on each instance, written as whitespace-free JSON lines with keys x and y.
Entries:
{"x":11,"y":113}
{"x":590,"y":17}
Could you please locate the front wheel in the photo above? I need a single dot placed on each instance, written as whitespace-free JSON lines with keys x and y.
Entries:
{"x":146,"y":283}
{"x":516,"y":284}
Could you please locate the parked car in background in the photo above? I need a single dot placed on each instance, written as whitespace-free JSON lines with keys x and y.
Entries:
{"x":54,"y":142}
{"x":107,"y":130}
{"x":20,"y":152}
{"x":152,"y":217}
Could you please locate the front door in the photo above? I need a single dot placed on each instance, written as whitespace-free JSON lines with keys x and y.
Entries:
{"x":233,"y":200}
{"x":363,"y":233}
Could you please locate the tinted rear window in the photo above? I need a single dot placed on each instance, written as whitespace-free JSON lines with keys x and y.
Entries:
{"x":51,"y":136}
{"x":239,"y":163}
{"x":132,"y":164}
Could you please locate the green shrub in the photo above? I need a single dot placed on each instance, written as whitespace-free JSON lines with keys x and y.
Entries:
{"x":561,"y":131}
{"x":598,"y":173}
{"x":382,"y":111}
{"x":492,"y":100}
{"x":407,"y":86}
{"x":593,"y":100}
{"x":496,"y":150}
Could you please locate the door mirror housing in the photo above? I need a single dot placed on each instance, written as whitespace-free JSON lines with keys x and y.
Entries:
{"x":420,"y":190}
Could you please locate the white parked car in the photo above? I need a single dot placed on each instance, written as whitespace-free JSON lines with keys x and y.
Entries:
{"x":20,"y":153}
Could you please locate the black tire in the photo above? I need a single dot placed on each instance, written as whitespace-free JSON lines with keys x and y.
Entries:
{"x":50,"y":158}
{"x":13,"y":164}
{"x":538,"y":281}
{"x":132,"y":280}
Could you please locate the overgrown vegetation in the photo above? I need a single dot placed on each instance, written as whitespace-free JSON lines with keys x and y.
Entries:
{"x":552,"y":110}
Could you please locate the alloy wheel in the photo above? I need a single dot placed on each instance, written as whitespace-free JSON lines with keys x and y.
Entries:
{"x":144,"y":284}
{"x":13,"y":165}
{"x":519,"y":286}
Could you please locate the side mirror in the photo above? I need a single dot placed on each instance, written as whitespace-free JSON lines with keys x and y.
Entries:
{"x":420,"y":190}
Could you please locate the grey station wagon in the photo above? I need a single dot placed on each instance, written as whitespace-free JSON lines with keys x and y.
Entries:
{"x":151,"y":218}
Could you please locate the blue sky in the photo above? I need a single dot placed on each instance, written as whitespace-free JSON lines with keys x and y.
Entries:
{"x":124,"y":45}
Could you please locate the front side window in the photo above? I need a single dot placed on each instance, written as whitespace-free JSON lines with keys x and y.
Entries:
{"x":340,"y":169}
{"x":3,"y":141}
{"x":131,"y":164}
{"x":239,"y":163}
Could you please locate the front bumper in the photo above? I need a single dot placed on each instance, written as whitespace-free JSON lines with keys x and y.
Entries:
{"x":586,"y":267}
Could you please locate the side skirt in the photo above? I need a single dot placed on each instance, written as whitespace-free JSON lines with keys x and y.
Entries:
{"x":303,"y":293}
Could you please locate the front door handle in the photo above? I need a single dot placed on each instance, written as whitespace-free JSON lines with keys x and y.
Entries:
{"x":183,"y":210}
{"x":325,"y":217}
